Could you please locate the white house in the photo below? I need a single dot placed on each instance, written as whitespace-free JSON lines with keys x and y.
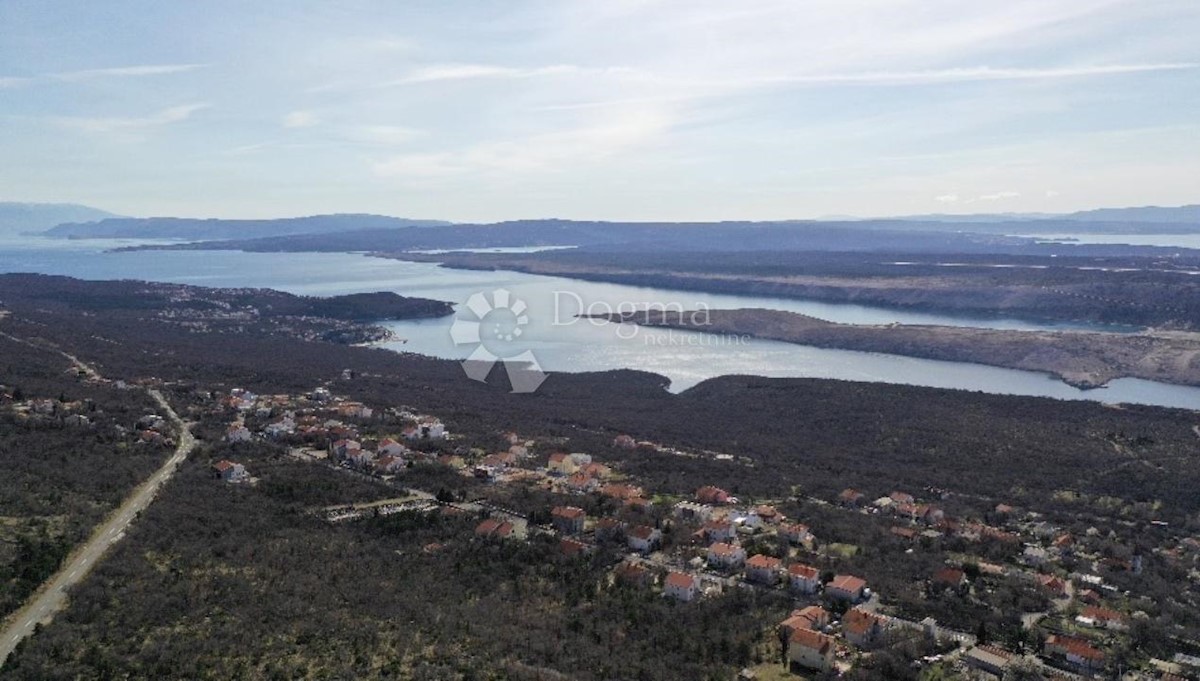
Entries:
{"x":846,"y":588}
{"x":681,"y":586}
{"x":763,"y":569}
{"x":238,"y":433}
{"x":389,"y":447}
{"x":726,"y":556}
{"x":804,"y":579}
{"x":690,"y":510}
{"x":643,"y":538}
{"x":810,"y":649}
{"x":230,"y":471}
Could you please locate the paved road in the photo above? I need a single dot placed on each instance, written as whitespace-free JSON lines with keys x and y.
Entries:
{"x":52,"y":597}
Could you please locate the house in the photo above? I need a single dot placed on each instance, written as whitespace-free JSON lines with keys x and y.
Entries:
{"x":726,"y":556}
{"x":797,"y":533}
{"x":1076,"y":651}
{"x":681,"y":586}
{"x":1034,"y":556}
{"x":389,"y":447}
{"x":284,"y":426}
{"x":77,"y":421}
{"x":719,"y":530}
{"x":749,"y":521}
{"x":812,"y":617}
{"x":846,"y":588}
{"x":561,"y":464}
{"x":389,"y":464}
{"x":494,"y":528}
{"x":238,"y":433}
{"x":639,"y":504}
{"x":580,"y":482}
{"x":810,"y":649}
{"x":633,"y":574}
{"x":930,"y":515}
{"x":426,"y":429}
{"x":949,"y":577}
{"x":862,"y":628}
{"x":851,"y":497}
{"x":690,"y":510}
{"x":989,"y":659}
{"x":622,"y":491}
{"x":1056,"y":587}
{"x":596,"y":470}
{"x":906,"y":533}
{"x":1102,"y":618}
{"x":901,"y":498}
{"x":345,"y":449}
{"x":568,"y":519}
{"x":643,"y":538}
{"x":229,"y":471}
{"x":763,"y":569}
{"x":712,"y":495}
{"x":608,"y":528}
{"x":803,"y":578}
{"x":355,"y":410}
{"x":624,"y":442}
{"x":573,"y":548}
{"x":768,"y":514}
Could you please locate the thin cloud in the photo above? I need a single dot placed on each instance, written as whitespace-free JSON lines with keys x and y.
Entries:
{"x":382,"y":135}
{"x":979,"y":73}
{"x":999,"y":196}
{"x":300,"y":119}
{"x":162,"y":118}
{"x":545,"y":152}
{"x":946,"y":198}
{"x":451,"y":72}
{"x":125,"y":72}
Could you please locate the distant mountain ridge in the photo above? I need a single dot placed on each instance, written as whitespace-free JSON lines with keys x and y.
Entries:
{"x":1150,"y":219}
{"x":212,"y":228}
{"x":18,"y":217}
{"x":1183,"y":214}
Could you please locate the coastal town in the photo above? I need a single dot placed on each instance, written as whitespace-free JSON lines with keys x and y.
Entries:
{"x":1080,"y":613}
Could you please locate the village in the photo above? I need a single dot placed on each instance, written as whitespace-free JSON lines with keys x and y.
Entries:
{"x":697,"y":546}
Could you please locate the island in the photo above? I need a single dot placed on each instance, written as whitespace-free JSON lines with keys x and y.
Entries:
{"x":1083,"y":359}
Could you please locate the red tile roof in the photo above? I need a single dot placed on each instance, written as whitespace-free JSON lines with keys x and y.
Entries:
{"x":811,"y":640}
{"x":1102,"y":614}
{"x":803,"y":571}
{"x":848,"y":583}
{"x":723,"y":549}
{"x":759,"y":561}
{"x":642,"y":532}
{"x":569,"y":512}
{"x":1074,"y":646}
{"x":949,"y":575}
{"x":858,"y":622}
{"x":681,"y":580}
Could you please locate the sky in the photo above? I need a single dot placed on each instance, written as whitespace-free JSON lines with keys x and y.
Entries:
{"x":615,"y":109}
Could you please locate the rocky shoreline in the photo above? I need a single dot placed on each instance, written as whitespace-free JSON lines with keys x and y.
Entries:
{"x":1085,"y":360}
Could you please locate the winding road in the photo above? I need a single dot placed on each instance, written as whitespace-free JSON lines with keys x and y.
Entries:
{"x":52,"y":596}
